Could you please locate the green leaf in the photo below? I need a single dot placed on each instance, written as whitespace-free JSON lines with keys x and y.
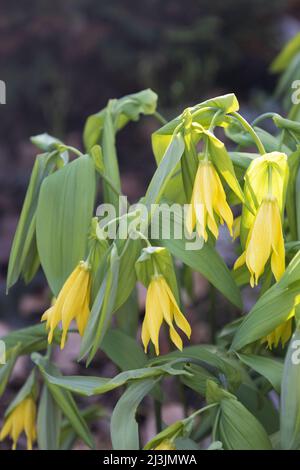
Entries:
{"x":45,"y":142}
{"x":64,"y":215}
{"x":164,"y":170}
{"x":242,"y":159}
{"x":48,"y":422}
{"x":290,"y":397}
{"x":6,"y":369}
{"x":238,"y":429}
{"x":124,"y":428}
{"x":271,"y":309}
{"x":63,"y":399}
{"x":89,"y":386}
{"x":211,"y":359}
{"x":124,"y":110}
{"x":123,"y":350}
{"x":286,"y":55}
{"x":129,"y":252}
{"x":101,"y":128}
{"x":23,"y":249}
{"x":293,"y":195}
{"x":30,"y":339}
{"x":268,"y":367}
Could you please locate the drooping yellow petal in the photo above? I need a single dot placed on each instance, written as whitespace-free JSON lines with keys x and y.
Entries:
{"x":265,"y":241}
{"x":74,"y":301}
{"x":161,"y":304}
{"x":260,"y":242}
{"x":236,"y":227}
{"x":208,"y":202}
{"x":278,"y":255}
{"x":7,"y":427}
{"x":29,"y":421}
{"x":153,"y":315}
{"x":21,"y":418}
{"x":179,"y":318}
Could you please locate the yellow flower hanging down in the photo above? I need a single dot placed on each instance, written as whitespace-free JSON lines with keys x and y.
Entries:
{"x":22,"y":418}
{"x":72,"y":303}
{"x":265,"y":240}
{"x":208,"y":201}
{"x":161,"y":305}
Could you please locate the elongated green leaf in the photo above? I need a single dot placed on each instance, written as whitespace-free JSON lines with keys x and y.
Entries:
{"x":48,"y":422}
{"x":290,"y":396}
{"x":124,"y":110}
{"x":32,"y":338}
{"x":165,"y":170}
{"x":286,"y":55}
{"x":63,"y":399}
{"x":292,"y":193}
{"x":63,"y":218}
{"x":123,"y":350}
{"x":89,"y":386}
{"x":24,"y":239}
{"x":270,"y":311}
{"x":270,"y":368}
{"x":101,"y":128}
{"x":242,"y":159}
{"x":124,"y":428}
{"x":238,"y":429}
{"x":6,"y":369}
{"x":272,"y":308}
{"x":211,"y":359}
{"x":129,"y":252}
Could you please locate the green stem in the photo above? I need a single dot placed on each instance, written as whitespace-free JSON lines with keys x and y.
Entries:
{"x":250,"y":130}
{"x":262,"y":117}
{"x":158,"y":417}
{"x":212,"y":123}
{"x":111,"y":184}
{"x":143,"y":237}
{"x":198,"y":412}
{"x":160,"y":118}
{"x":212,"y":313}
{"x":73,"y":149}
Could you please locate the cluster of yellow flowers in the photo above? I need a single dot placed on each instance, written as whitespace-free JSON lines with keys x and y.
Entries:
{"x":260,"y":230}
{"x":260,"y":225}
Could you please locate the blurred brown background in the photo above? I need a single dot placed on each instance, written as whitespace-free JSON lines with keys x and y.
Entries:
{"x":62,"y":60}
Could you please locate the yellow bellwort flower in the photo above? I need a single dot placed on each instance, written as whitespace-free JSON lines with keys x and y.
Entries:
{"x":22,"y":418}
{"x":161,"y":305}
{"x":208,"y":201}
{"x":265,"y":240}
{"x":73,"y":302}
